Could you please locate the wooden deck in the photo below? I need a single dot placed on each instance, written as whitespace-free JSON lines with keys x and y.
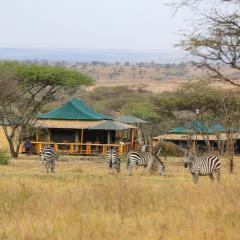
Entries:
{"x":80,"y":149}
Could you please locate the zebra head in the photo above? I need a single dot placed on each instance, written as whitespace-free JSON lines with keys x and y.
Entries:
{"x":42,"y":154}
{"x":162,"y":170}
{"x":145,"y":148}
{"x":117,"y":165}
{"x":160,"y":166}
{"x":189,"y":159}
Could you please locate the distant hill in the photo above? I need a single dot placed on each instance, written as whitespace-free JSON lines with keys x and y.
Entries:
{"x":87,"y":55}
{"x":155,"y":71}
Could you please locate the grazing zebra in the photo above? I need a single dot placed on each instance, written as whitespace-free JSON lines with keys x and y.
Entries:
{"x":145,"y":159}
{"x":203,"y":166}
{"x":113,"y":160}
{"x":48,"y":158}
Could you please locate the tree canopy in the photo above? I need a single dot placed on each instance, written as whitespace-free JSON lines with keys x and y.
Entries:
{"x":25,"y":89}
{"x":215,"y":39}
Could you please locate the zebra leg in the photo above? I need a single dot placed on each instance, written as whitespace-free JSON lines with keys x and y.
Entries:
{"x":110,"y":167}
{"x":52,"y":166}
{"x":43,"y":166}
{"x":149,"y":167}
{"x":47,"y":166}
{"x":211,"y":176}
{"x":110,"y":164}
{"x":195,"y":177}
{"x":130,"y":169}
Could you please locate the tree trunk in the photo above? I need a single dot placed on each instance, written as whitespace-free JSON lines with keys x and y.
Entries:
{"x":231,"y":157}
{"x":231,"y":165}
{"x":14,"y":153}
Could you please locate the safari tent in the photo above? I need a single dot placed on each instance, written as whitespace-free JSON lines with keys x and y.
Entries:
{"x":197,"y":132}
{"x":75,"y":128}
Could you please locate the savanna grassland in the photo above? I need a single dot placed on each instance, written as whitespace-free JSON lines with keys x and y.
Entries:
{"x":82,"y":200}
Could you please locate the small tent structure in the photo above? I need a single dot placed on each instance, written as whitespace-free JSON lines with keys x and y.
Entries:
{"x":197,"y":132}
{"x":131,"y":120}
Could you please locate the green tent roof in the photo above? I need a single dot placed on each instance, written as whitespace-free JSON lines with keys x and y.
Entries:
{"x":198,"y":126}
{"x":74,"y":110}
{"x":216,"y":128}
{"x":179,"y":130}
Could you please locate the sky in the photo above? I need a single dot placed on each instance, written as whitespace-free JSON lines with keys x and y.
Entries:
{"x":91,"y":24}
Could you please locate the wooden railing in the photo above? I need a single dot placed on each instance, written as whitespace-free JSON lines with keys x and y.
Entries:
{"x":81,"y":149}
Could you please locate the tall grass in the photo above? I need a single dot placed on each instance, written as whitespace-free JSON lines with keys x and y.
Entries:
{"x":96,"y":205}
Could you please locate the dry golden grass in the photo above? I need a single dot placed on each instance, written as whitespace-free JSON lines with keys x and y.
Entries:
{"x":83,"y":201}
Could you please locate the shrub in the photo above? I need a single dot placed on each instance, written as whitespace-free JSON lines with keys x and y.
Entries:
{"x":170,"y":148}
{"x":4,"y":157}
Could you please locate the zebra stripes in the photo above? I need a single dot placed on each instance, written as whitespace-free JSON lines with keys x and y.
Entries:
{"x":145,"y":159}
{"x":203,"y":166}
{"x":48,"y":158}
{"x":112,"y":159}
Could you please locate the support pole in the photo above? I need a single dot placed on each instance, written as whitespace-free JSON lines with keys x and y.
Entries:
{"x":37,"y":138}
{"x":77,"y":140}
{"x":81,"y":141}
{"x":108,"y":137}
{"x":132,"y":137}
{"x":48,"y":136}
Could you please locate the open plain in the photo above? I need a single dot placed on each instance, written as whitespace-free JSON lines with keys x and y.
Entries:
{"x":82,"y":200}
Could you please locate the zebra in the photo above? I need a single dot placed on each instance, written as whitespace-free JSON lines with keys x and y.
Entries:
{"x":48,"y":158}
{"x":145,"y":159}
{"x":113,"y":160}
{"x":203,"y":166}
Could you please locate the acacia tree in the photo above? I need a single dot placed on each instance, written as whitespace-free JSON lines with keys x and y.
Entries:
{"x":215,"y":41}
{"x":189,"y":98}
{"x":231,"y":115}
{"x":215,"y":105}
{"x":25,"y":90}
{"x":195,"y":3}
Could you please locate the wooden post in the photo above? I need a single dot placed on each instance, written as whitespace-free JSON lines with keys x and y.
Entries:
{"x":55,"y":146}
{"x":132,"y":137}
{"x":88,"y":149}
{"x":194,"y":147}
{"x":37,"y":138}
{"x":108,"y":137}
{"x":71,"y":148}
{"x":104,"y":150}
{"x":38,"y":148}
{"x":81,"y":141}
{"x":121,"y":150}
{"x":136,"y":143}
{"x":77,"y":140}
{"x":48,"y":135}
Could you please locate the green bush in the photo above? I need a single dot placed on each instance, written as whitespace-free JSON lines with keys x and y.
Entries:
{"x":4,"y":157}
